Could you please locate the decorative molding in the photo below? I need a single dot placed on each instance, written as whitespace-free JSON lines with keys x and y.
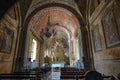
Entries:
{"x":99,"y":10}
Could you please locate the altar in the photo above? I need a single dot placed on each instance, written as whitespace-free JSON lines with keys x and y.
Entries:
{"x":57,"y":65}
{"x":56,"y":70}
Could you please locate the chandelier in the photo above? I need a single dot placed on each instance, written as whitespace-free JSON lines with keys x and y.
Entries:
{"x":47,"y":32}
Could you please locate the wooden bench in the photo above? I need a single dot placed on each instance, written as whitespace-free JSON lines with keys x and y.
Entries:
{"x":81,"y":75}
{"x":21,"y":75}
{"x":108,"y":78}
{"x":76,"y":77}
{"x":94,"y":75}
{"x":72,"y":75}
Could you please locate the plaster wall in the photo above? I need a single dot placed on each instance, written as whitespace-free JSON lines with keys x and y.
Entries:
{"x":6,"y":58}
{"x":9,"y":21}
{"x":107,"y":60}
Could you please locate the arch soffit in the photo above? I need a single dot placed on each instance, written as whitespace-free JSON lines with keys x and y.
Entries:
{"x":72,"y":10}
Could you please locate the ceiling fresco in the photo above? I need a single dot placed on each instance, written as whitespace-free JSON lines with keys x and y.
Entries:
{"x":62,"y":20}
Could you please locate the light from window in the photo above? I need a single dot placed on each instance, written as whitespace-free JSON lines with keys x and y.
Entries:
{"x":77,"y":50}
{"x":34,"y":49}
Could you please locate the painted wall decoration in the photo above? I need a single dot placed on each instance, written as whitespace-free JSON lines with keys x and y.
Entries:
{"x":13,"y":13}
{"x":110,"y":29}
{"x":96,"y":39}
{"x":6,"y":40}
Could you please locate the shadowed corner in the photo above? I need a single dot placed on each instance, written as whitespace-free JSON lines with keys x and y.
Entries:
{"x":5,"y":5}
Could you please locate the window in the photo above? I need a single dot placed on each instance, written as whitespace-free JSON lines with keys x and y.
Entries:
{"x":77,"y":49}
{"x":34,"y":48}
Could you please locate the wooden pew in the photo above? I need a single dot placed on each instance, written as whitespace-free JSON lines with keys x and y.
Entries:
{"x":109,"y":77}
{"x":75,"y":75}
{"x":21,"y":75}
{"x":94,"y":75}
{"x":72,"y":75}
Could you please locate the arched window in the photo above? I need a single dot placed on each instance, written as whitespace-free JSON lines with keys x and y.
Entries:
{"x":77,"y":50}
{"x":34,"y":48}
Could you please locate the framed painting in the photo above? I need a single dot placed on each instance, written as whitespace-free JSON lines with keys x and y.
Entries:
{"x":96,"y":39}
{"x":6,"y":40}
{"x":110,"y":30}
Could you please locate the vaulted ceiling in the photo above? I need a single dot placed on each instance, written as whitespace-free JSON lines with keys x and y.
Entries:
{"x":25,"y":5}
{"x":62,"y":21}
{"x":66,"y":17}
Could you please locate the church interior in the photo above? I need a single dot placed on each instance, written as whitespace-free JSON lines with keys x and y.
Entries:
{"x":75,"y":35}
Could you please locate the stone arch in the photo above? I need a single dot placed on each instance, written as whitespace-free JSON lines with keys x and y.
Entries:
{"x":28,"y":18}
{"x":78,"y":16}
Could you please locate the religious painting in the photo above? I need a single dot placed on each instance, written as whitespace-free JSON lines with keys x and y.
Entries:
{"x":96,"y":39}
{"x":6,"y":40}
{"x":110,"y":29}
